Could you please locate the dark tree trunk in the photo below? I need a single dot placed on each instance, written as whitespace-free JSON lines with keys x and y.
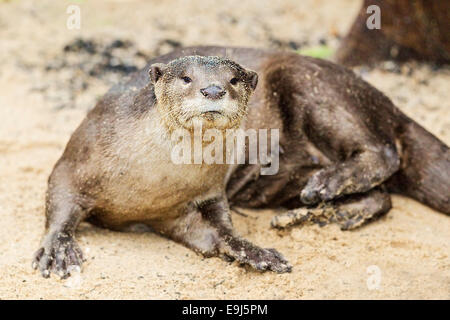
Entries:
{"x":410,"y":29}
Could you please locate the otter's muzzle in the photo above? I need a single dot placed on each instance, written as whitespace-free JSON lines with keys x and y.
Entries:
{"x":213,"y":92}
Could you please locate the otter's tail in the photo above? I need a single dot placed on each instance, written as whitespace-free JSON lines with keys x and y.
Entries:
{"x":425,"y":167}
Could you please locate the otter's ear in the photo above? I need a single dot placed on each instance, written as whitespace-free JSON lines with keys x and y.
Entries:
{"x":252,"y":78}
{"x":156,"y":71}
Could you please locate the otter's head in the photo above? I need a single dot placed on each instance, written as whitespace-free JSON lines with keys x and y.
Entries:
{"x":211,"y":90}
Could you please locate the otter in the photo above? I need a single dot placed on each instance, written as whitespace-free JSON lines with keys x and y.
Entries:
{"x":344,"y":147}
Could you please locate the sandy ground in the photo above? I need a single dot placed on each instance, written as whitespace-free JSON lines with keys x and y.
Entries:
{"x":45,"y":92}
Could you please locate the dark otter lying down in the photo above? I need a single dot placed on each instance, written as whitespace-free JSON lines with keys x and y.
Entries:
{"x":343,"y":147}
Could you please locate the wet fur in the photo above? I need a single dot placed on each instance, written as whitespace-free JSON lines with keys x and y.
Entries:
{"x":344,"y":147}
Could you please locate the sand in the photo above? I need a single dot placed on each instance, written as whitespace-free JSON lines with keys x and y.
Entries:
{"x":403,"y":255}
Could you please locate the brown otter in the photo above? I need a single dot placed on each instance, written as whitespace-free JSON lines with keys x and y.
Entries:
{"x":343,"y":145}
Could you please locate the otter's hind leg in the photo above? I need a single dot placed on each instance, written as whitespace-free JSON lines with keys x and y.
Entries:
{"x":349,"y":212}
{"x":59,"y":252}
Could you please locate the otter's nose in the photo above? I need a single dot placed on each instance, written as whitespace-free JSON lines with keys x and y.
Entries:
{"x":213,"y":92}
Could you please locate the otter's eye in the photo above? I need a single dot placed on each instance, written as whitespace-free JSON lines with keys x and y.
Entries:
{"x":186,"y":79}
{"x":234,"y":81}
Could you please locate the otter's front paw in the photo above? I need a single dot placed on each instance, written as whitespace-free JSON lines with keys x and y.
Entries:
{"x":258,"y":258}
{"x":59,"y":254}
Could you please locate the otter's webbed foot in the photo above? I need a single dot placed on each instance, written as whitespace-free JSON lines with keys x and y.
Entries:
{"x":322,"y":186}
{"x":349,"y":212}
{"x":258,"y":258}
{"x":361,"y":173}
{"x":60,"y":254}
{"x":207,"y":229}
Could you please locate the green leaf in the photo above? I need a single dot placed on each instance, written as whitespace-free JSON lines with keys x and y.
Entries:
{"x":321,"y":52}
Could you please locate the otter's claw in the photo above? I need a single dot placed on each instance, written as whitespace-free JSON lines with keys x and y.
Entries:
{"x":59,"y":254}
{"x":260,"y":259}
{"x":322,"y":186}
